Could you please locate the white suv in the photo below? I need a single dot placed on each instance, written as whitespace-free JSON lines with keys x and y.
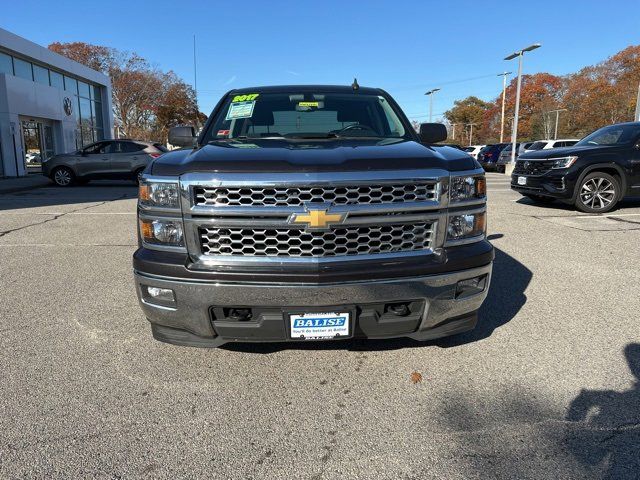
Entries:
{"x":547,"y":144}
{"x":473,"y":150}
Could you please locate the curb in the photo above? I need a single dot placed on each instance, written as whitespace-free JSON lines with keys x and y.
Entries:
{"x":4,"y":191}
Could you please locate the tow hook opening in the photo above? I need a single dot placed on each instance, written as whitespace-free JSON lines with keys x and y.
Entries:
{"x":398,"y":309}
{"x":238,"y":314}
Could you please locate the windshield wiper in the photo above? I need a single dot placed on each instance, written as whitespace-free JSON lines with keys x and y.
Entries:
{"x":314,"y":135}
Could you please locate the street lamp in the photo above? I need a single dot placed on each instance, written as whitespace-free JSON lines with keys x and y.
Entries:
{"x":557,"y":112}
{"x":518,"y":54}
{"x":430,"y":93}
{"x":504,"y":93}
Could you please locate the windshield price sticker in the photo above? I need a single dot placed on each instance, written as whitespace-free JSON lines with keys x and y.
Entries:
{"x":240,"y":110}
{"x":245,"y":98}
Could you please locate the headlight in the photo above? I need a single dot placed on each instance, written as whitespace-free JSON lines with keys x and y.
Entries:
{"x":467,"y":188}
{"x":162,"y":232}
{"x":466,"y":225}
{"x":564,"y":162}
{"x":159,"y":194}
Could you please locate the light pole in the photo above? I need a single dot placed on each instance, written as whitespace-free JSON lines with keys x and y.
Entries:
{"x":430,"y":93}
{"x":636,"y":117}
{"x":504,"y":92}
{"x":471,"y":132}
{"x":514,"y":136}
{"x":557,"y":112}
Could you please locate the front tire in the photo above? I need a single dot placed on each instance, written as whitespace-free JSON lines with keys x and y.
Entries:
{"x":598,"y":192}
{"x":63,"y":177}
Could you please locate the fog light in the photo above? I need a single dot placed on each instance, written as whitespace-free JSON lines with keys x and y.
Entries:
{"x":471,"y":286}
{"x":161,"y":296}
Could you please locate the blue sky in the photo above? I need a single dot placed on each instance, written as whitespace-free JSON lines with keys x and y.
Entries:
{"x":405,"y":47}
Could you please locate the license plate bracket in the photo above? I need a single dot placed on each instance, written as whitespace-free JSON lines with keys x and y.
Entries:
{"x":324,"y":323}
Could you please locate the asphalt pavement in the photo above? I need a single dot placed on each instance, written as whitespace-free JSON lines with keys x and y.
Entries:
{"x":547,"y":386}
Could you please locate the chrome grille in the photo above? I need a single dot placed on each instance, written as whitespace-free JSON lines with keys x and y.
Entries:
{"x":341,"y":241}
{"x":298,"y":196}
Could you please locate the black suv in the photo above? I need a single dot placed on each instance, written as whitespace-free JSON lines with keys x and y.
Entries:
{"x":594,"y":174}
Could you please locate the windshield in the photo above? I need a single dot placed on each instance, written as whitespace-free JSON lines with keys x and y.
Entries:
{"x":305,"y":115}
{"x":538,"y":145}
{"x":613,"y":135}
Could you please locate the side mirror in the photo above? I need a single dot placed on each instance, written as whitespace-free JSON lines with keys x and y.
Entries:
{"x":432,"y":132}
{"x":184,"y":136}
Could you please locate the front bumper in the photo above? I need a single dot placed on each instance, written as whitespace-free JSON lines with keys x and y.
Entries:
{"x":556,"y":183}
{"x":197,"y":317}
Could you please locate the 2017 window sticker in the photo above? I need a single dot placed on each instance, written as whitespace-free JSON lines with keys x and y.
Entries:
{"x":240,"y":110}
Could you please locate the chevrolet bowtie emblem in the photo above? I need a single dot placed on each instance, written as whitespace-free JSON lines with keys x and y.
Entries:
{"x":317,"y":219}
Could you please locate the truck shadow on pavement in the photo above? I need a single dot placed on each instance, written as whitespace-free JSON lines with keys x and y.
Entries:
{"x":607,"y":436}
{"x":518,"y":433}
{"x":101,"y":191}
{"x":505,"y":299}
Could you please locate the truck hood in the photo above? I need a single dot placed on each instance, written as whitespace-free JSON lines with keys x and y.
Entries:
{"x":285,"y":155}
{"x":566,"y":151}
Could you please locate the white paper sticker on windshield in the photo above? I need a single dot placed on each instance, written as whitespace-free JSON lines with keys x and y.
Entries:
{"x":240,"y":110}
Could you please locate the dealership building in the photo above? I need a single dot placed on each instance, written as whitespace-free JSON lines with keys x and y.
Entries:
{"x":49,"y":104}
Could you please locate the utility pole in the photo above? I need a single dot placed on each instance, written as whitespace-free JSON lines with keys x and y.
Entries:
{"x":453,"y":131}
{"x":557,"y":112}
{"x":471,"y":132}
{"x":430,"y":93}
{"x":637,"y":115}
{"x":504,"y":92}
{"x":195,"y":80}
{"x":514,"y":137}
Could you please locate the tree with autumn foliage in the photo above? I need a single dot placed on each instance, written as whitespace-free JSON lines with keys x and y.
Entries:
{"x":470,"y":110}
{"x":593,"y":97}
{"x":146,"y":101}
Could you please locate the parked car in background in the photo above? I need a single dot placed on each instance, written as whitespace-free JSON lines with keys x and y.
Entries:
{"x":107,"y":159}
{"x":524,"y":148}
{"x":505,"y":157}
{"x":594,"y":174}
{"x":547,"y":144}
{"x":32,"y":157}
{"x":488,"y":156}
{"x":473,"y":150}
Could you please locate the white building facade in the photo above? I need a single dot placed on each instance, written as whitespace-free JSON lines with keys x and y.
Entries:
{"x":49,"y":104}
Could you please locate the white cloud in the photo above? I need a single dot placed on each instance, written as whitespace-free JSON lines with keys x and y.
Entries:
{"x":230,"y":81}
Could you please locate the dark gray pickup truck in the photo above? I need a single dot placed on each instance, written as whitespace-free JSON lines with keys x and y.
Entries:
{"x":306,"y":213}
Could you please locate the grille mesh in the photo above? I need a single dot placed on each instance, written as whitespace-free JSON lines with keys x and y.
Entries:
{"x":533,"y":167}
{"x":296,"y":196}
{"x":304,"y":243}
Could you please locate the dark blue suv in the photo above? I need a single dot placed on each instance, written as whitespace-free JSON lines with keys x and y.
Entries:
{"x":488,"y":156}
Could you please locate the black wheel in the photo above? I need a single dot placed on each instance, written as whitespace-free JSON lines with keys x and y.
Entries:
{"x":598,"y":192}
{"x":540,"y":198}
{"x":63,"y":177}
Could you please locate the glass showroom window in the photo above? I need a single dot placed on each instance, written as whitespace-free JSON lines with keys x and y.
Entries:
{"x":23,"y":69}
{"x":41,"y":74}
{"x":6,"y":63}
{"x":56,"y":80}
